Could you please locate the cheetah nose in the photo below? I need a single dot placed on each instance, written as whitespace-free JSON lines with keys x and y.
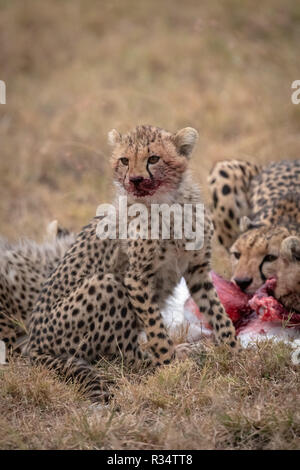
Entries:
{"x":136,"y":180}
{"x":243,"y":282}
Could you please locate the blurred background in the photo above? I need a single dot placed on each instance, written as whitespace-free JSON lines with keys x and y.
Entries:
{"x":75,"y":69}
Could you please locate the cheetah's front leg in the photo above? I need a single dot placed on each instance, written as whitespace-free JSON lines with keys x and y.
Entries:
{"x":10,"y":331}
{"x":204,"y":294}
{"x":139,"y":282}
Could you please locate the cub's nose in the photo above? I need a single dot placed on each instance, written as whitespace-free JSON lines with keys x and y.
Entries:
{"x":136,"y":180}
{"x":243,"y":282}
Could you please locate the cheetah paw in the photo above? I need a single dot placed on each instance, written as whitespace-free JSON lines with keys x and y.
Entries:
{"x":183,"y":350}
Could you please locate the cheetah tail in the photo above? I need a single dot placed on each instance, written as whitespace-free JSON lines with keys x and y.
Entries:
{"x":91,"y":382}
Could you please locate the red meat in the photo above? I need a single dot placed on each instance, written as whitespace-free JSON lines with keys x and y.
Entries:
{"x":269,"y":309}
{"x":244,"y":309}
{"x":235,"y":302}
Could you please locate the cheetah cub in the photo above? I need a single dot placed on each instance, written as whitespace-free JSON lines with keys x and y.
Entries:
{"x":24,"y":267}
{"x":105,"y":291}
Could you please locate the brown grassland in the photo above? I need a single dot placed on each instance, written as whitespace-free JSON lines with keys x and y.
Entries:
{"x":74,"y":70}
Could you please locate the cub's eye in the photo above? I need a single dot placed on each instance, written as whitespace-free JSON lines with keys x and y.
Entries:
{"x":153,"y":159}
{"x":270,"y":258}
{"x":236,"y":254}
{"x":124,"y":160}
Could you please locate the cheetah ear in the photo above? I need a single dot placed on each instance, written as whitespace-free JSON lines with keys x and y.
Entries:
{"x":290,"y":248}
{"x":245,"y":224}
{"x":51,"y":231}
{"x":114,"y":137}
{"x":185,"y":140}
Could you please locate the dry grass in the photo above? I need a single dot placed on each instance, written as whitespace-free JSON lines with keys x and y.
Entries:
{"x":75,"y":69}
{"x":211,"y":401}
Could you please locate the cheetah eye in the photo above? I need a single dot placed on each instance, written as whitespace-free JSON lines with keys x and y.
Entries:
{"x":125,"y":161}
{"x":270,"y":258}
{"x":153,"y":159}
{"x":236,"y":254}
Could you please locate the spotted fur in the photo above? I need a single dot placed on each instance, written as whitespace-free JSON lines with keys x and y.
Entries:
{"x":24,"y":267}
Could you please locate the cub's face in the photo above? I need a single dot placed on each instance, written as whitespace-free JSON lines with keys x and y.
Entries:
{"x":255,"y":256}
{"x":262,"y":253}
{"x":149,"y":161}
{"x":288,"y":274}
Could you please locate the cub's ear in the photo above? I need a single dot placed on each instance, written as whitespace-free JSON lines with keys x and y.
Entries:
{"x":51,"y":231}
{"x":290,"y":248}
{"x":245,"y":224}
{"x":185,"y":140}
{"x":114,"y":137}
{"x":248,"y":224}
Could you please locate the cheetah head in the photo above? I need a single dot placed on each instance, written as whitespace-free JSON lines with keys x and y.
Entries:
{"x":287,"y":290}
{"x":150,"y":161}
{"x":262,"y":252}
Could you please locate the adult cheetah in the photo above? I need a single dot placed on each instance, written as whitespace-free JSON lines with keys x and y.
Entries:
{"x":104,"y":292}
